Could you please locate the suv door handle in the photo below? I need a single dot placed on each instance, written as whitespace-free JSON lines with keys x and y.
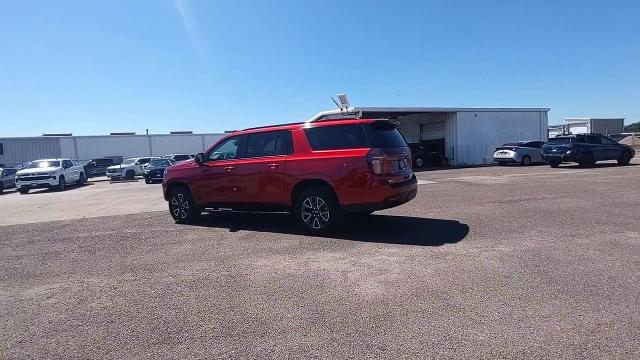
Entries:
{"x":273,"y":166}
{"x":229,"y":168}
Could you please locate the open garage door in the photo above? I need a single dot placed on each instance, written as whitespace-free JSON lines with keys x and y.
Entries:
{"x":432,"y":130}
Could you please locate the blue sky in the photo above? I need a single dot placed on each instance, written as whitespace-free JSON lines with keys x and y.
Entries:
{"x":93,"y":67}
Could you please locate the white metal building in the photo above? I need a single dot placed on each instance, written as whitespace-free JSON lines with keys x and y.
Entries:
{"x":23,"y":149}
{"x":467,"y":136}
{"x":603,"y":126}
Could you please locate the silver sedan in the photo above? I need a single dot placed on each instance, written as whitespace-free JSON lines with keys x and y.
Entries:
{"x":521,"y":152}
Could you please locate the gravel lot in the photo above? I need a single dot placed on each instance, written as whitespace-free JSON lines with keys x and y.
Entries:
{"x":485,"y":262}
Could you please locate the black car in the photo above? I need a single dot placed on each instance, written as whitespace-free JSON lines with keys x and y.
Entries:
{"x":97,"y":167}
{"x":585,"y":149}
{"x":155,"y":170}
{"x":423,"y":155}
{"x":178,"y":157}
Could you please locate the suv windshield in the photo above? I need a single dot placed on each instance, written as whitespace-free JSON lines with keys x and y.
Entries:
{"x":43,"y":164}
{"x":160,"y":162}
{"x":383,"y":134}
{"x":559,"y":141}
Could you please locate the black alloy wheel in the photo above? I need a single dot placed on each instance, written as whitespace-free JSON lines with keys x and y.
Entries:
{"x":625,"y":159}
{"x":182,"y":207}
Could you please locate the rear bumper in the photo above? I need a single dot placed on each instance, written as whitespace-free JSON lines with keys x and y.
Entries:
{"x":389,"y":202}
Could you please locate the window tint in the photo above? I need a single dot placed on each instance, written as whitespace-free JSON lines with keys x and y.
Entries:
{"x":533,"y":144}
{"x":181,"y":157}
{"x":594,"y":139}
{"x":1,"y":149}
{"x":337,"y":137}
{"x":606,"y":140}
{"x":559,"y":141}
{"x":284,"y":143}
{"x":262,"y":144}
{"x":582,"y":139}
{"x":383,"y":134}
{"x":226,"y":150}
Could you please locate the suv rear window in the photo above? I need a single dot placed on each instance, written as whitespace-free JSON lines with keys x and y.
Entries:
{"x":383,"y":134}
{"x":337,"y":137}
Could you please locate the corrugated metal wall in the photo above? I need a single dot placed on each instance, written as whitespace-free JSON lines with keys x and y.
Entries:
{"x":478,"y":133}
{"x":19,"y":150}
{"x":87,"y":147}
{"x":607,"y":126}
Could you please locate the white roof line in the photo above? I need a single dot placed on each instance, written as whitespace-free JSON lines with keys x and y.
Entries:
{"x":419,"y":109}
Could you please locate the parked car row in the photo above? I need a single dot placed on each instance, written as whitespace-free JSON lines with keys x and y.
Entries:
{"x":132,"y":167}
{"x":60,"y":173}
{"x":584,"y":149}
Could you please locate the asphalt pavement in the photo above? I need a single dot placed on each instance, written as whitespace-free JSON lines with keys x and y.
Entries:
{"x":490,"y":262}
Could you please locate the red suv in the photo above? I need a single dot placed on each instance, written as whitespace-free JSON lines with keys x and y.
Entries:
{"x":318,"y":171}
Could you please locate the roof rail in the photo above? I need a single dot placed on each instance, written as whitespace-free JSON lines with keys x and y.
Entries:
{"x":268,"y":126}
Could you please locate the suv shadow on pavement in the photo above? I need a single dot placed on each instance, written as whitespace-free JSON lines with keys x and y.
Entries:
{"x":385,"y":229}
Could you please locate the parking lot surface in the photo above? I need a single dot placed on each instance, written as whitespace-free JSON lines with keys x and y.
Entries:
{"x":485,"y":262}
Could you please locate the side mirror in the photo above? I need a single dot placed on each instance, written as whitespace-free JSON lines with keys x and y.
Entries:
{"x":199,"y":158}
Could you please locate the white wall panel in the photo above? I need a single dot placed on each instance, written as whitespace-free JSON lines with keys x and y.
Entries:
{"x":176,"y":144}
{"x":478,"y":133}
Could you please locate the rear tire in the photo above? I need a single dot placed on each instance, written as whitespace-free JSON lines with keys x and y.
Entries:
{"x":317,"y":211}
{"x":182,"y":207}
{"x":82,"y":180}
{"x":587,"y":161}
{"x":23,"y":191}
{"x":1,"y":188}
{"x":501,"y":163}
{"x":129,"y":175}
{"x":554,"y":164}
{"x":418,"y":163}
{"x":624,"y":159}
{"x":526,"y":160}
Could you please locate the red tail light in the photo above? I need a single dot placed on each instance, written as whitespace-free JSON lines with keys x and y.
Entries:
{"x":389,"y":161}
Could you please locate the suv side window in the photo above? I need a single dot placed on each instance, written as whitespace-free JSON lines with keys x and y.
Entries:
{"x":228,"y":149}
{"x":284,"y":143}
{"x":261,"y":144}
{"x":606,"y":140}
{"x":594,"y":139}
{"x":581,"y":139}
{"x":337,"y":137}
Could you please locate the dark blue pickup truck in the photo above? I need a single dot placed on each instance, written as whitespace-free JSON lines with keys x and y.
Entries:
{"x":585,"y":149}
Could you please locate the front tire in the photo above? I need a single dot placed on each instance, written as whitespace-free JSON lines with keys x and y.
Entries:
{"x":317,"y":211}
{"x":418,"y":163}
{"x":23,"y":191}
{"x":62,"y":183}
{"x":82,"y":180}
{"x":625,"y":159}
{"x":554,"y":164}
{"x":182,"y":207}
{"x":130,"y":174}
{"x":147,"y":181}
{"x":526,"y":160}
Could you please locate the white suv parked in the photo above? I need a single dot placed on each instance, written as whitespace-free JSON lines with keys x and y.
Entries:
{"x":129,"y":168}
{"x":49,"y":173}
